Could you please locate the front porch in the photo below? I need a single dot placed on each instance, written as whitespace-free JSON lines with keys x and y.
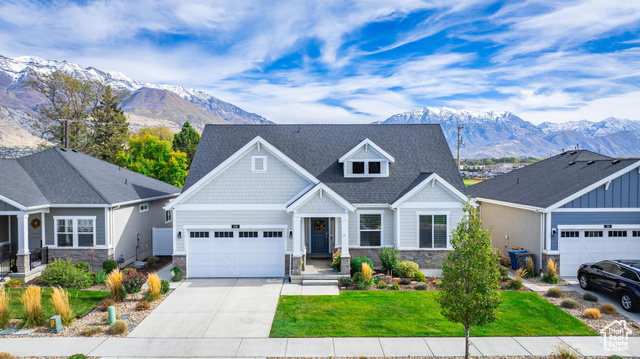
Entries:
{"x":22,"y":254}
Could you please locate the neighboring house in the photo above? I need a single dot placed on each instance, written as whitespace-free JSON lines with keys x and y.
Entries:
{"x":261,"y":197}
{"x":575,"y":207}
{"x":78,"y":207}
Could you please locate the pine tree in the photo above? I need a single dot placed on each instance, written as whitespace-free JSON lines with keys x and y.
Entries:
{"x":187,"y":141}
{"x":109,"y":130}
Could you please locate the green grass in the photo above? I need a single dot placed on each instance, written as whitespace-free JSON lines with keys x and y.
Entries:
{"x":81,"y":301}
{"x":414,"y":314}
{"x":470,"y":182}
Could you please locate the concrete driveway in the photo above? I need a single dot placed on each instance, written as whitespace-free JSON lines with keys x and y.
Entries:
{"x":215,"y":308}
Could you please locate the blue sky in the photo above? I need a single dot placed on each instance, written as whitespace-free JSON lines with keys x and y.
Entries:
{"x":356,"y":61}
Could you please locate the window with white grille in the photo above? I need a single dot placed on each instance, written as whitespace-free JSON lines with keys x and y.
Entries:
{"x":248,"y":234}
{"x":593,"y":234}
{"x":223,"y":234}
{"x":199,"y":234}
{"x":617,"y":233}
{"x":272,"y":234}
{"x":570,"y":234}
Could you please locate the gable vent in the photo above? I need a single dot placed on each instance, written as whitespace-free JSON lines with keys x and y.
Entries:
{"x":615,"y":162}
{"x":590,"y":163}
{"x":572,"y":163}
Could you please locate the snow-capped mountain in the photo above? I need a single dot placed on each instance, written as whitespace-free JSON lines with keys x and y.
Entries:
{"x":502,"y":133}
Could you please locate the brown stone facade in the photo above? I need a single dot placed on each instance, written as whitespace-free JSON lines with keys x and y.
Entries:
{"x":545,"y":260}
{"x":296,"y":266}
{"x":93,"y":256}
{"x":180,"y":261}
{"x":345,"y":266}
{"x":432,"y":259}
{"x":23,"y":263}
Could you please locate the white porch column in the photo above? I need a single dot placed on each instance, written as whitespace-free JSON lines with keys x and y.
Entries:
{"x":344,"y":225}
{"x":23,"y":233}
{"x":43,"y":241}
{"x":297,"y":237}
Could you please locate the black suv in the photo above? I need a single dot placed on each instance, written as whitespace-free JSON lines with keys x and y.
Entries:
{"x":620,"y":277}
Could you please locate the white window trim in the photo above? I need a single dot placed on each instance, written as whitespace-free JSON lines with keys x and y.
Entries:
{"x":381,"y":213}
{"x":75,"y":231}
{"x":348,"y":169}
{"x":253,"y":164}
{"x":170,"y":213}
{"x":143,"y":205}
{"x":433,"y":213}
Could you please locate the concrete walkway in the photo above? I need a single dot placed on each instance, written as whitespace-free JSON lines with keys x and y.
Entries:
{"x":305,"y":347}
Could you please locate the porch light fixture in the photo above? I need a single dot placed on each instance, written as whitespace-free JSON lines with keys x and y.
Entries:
{"x":179,"y":234}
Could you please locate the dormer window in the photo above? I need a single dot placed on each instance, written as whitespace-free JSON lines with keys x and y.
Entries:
{"x":366,"y":160}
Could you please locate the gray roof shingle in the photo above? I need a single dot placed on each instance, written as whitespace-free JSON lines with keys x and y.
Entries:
{"x":549,"y":181}
{"x":417,"y":149}
{"x":57,"y":176}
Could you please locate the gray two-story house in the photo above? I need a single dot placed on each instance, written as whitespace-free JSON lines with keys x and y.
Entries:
{"x":262,"y":198}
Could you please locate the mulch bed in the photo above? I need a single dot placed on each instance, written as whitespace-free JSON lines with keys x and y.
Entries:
{"x":385,"y":282}
{"x":595,"y":324}
{"x":540,"y":282}
{"x":162,"y":262}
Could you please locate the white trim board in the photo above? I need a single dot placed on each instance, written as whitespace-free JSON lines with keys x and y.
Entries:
{"x":322,"y":188}
{"x":424,"y":183}
{"x":509,"y":204}
{"x":366,"y":142}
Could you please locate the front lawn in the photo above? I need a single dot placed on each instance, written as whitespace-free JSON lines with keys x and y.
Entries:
{"x":414,"y":314}
{"x":81,"y":301}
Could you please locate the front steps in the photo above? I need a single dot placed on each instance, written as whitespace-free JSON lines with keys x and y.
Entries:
{"x":311,"y":278}
{"x":314,"y":282}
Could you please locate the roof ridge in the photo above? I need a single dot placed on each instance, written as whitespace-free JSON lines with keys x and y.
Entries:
{"x":81,"y":175}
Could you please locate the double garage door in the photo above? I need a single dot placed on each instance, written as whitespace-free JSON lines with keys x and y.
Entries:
{"x":235,"y":253}
{"x":579,"y":246}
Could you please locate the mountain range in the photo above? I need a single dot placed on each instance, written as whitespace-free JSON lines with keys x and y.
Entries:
{"x":485,"y":133}
{"x":147,"y":104}
{"x":502,"y":133}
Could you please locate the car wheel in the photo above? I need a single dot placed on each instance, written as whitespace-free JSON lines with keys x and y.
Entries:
{"x":626,"y":301}
{"x":584,"y":281}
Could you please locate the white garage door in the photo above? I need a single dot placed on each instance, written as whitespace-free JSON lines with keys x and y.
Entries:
{"x":235,"y":253}
{"x":579,"y":246}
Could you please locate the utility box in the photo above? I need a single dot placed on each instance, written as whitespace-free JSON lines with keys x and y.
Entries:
{"x":55,"y":324}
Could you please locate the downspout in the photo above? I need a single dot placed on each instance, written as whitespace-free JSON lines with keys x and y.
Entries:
{"x":112,"y":240}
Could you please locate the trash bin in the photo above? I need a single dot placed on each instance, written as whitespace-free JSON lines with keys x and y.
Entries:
{"x":512,"y":257}
{"x":521,"y":260}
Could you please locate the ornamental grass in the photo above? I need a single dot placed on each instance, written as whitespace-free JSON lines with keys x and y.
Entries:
{"x":4,"y":308}
{"x":31,"y":299}
{"x":115,"y":285}
{"x":155,"y":287}
{"x":61,"y":306}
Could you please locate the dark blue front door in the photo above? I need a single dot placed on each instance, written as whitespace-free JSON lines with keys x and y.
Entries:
{"x":319,"y":235}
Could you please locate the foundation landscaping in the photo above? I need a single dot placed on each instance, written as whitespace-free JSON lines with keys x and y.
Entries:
{"x":81,"y":298}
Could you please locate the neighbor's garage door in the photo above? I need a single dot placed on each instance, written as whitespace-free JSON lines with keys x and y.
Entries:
{"x":583,"y":246}
{"x":235,"y":253}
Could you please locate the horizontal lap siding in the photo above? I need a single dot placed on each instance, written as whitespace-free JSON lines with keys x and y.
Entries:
{"x":74,"y":212}
{"x":4,"y":206}
{"x":623,"y":192}
{"x":388,"y":219}
{"x":522,"y":226}
{"x":211,"y":218}
{"x":238,"y":185}
{"x":409,"y":223}
{"x":590,"y":218}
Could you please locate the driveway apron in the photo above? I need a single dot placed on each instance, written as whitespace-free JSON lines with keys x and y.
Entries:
{"x":215,"y":308}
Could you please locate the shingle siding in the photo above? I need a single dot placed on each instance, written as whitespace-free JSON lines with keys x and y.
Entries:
{"x":370,"y":154}
{"x":590,"y":218}
{"x":238,"y":185}
{"x":387,"y":226}
{"x":623,"y":192}
{"x":321,"y":206}
{"x":437,"y":193}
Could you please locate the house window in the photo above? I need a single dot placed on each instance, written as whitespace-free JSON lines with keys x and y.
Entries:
{"x":144,"y":207}
{"x":358,"y":168}
{"x":272,"y":234}
{"x":593,"y":233}
{"x":248,"y":234}
{"x":223,"y":234}
{"x":432,"y":231}
{"x":258,"y":164}
{"x":199,"y":234}
{"x":167,"y":216}
{"x":636,"y":233}
{"x":569,"y":234}
{"x":617,"y":233}
{"x":370,"y":229}
{"x":75,"y":232}
{"x":375,"y":168}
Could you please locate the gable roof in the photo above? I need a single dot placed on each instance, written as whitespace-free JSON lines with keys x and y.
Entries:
{"x":545,"y":183}
{"x":57,"y":176}
{"x":366,"y":142}
{"x":416,"y":148}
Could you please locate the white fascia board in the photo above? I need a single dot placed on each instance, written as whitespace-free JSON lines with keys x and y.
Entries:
{"x":13,"y":203}
{"x":321,"y":186}
{"x":372,"y":205}
{"x":432,"y":177}
{"x":79,"y":205}
{"x":230,"y":207}
{"x":364,"y":142}
{"x":235,"y":157}
{"x":509,"y":204}
{"x":150,"y":199}
{"x":300,"y":194}
{"x":593,"y":186}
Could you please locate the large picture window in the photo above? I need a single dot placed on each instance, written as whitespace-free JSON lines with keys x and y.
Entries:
{"x":75,"y":232}
{"x":432,"y":231}
{"x":370,"y":229}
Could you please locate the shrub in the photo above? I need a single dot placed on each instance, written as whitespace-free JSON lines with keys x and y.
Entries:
{"x":555,"y":293}
{"x":419,"y":277}
{"x":406,"y":269}
{"x":514,"y":284}
{"x":61,"y":273}
{"x":100,"y":277}
{"x":356,"y":264}
{"x":115,"y":285}
{"x":14,"y":283}
{"x":165,"y":286}
{"x":530,"y":267}
{"x":4,"y":308}
{"x":83,"y":266}
{"x":422,"y":286}
{"x":592,"y":313}
{"x":395,"y":286}
{"x":389,"y":257}
{"x":109,"y":265}
{"x":569,"y":303}
{"x":176,"y":274}
{"x":381,"y":286}
{"x":119,"y":327}
{"x":345,"y":281}
{"x":337,"y":263}
{"x":404,"y":281}
{"x":5,"y":355}
{"x":154,"y":287}
{"x":563,"y":351}
{"x":364,"y":277}
{"x":152,"y":260}
{"x":143,"y":305}
{"x":504,"y":272}
{"x":437,"y":283}
{"x":127,"y":270}
{"x":551,"y":275}
{"x":589,"y":297}
{"x":90,"y":331}
{"x":77,"y":356}
{"x":61,"y":306}
{"x":607,"y":309}
{"x":133,"y":281}
{"x":362,"y":285}
{"x":615,"y":357}
{"x":31,"y":299}
{"x":104,"y":304}
{"x":367,"y":272}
